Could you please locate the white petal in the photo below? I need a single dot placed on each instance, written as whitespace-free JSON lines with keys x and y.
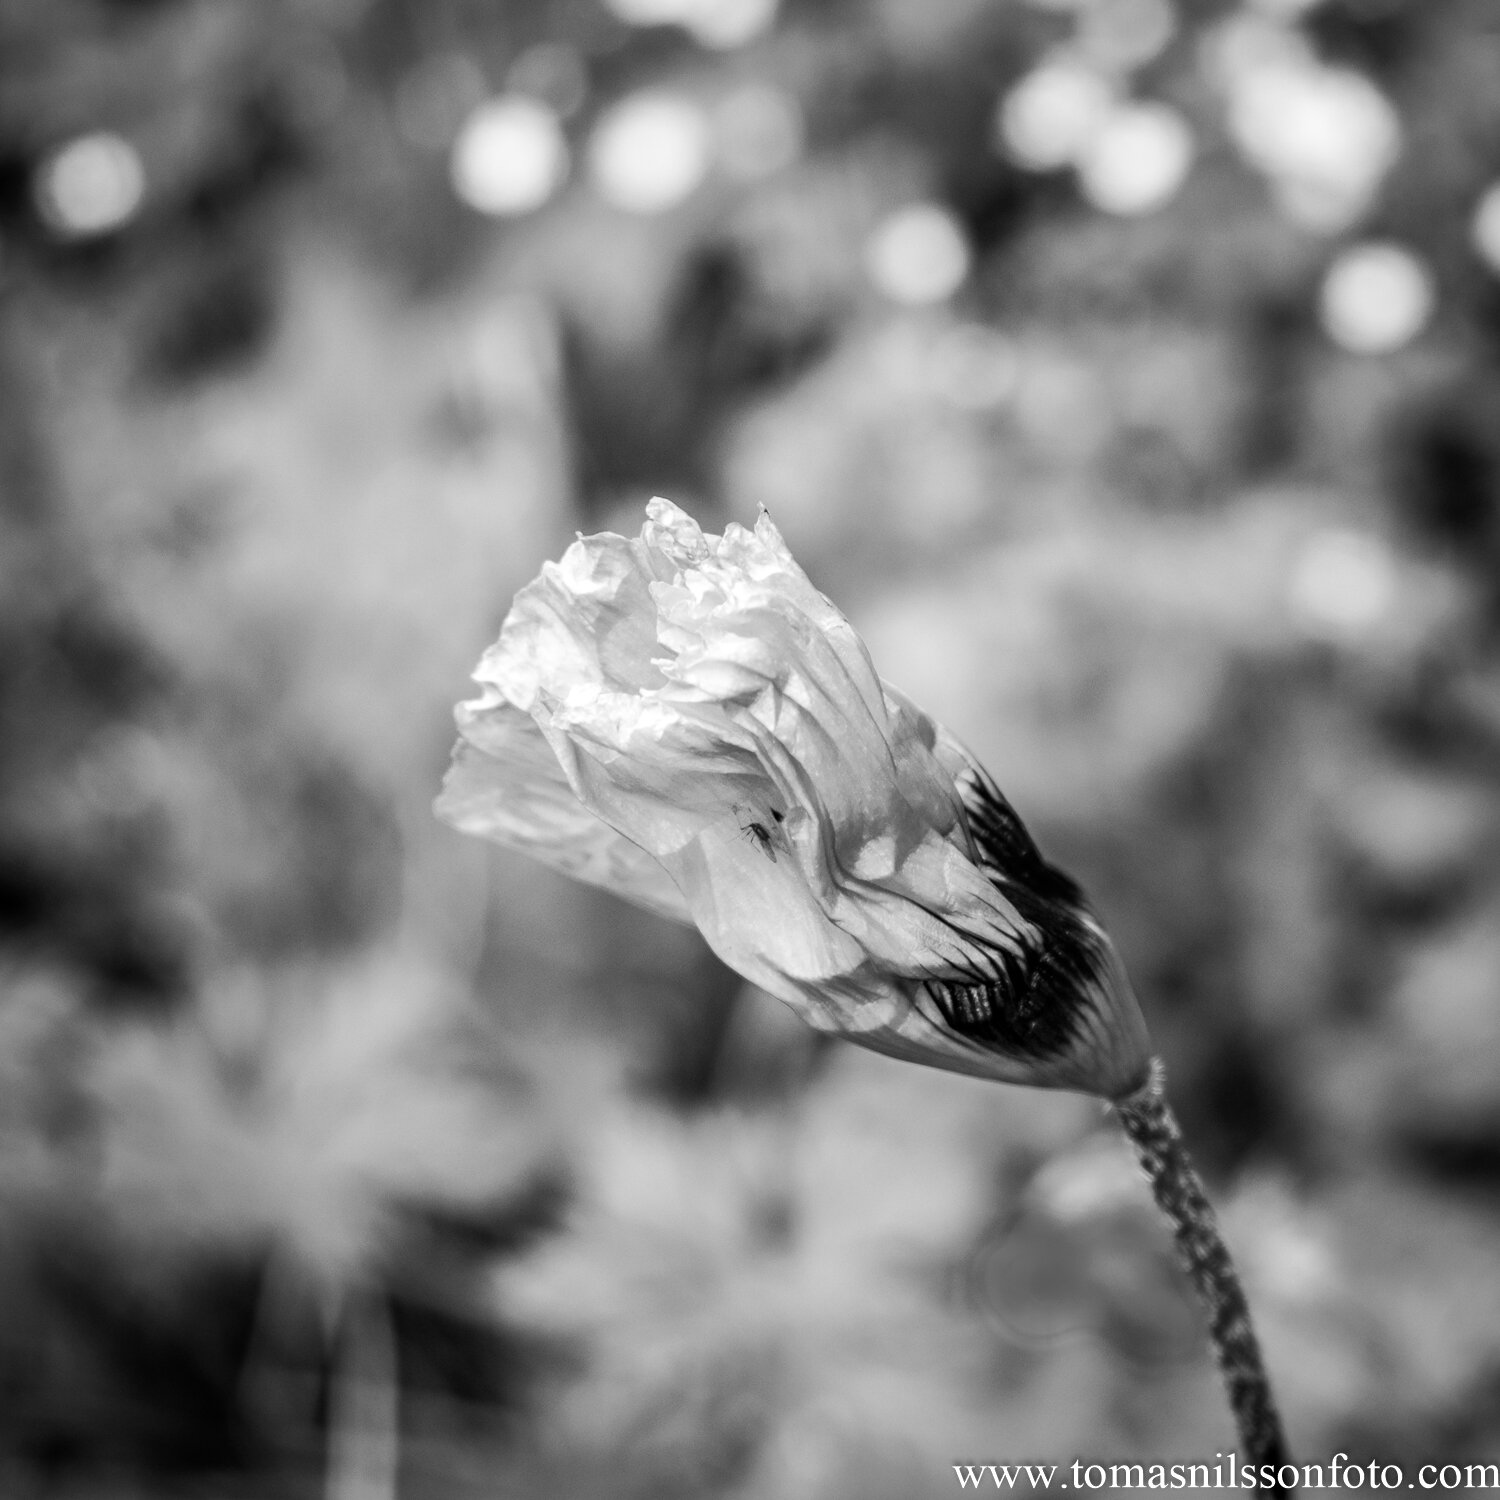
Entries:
{"x":768,"y":704}
{"x":673,"y":535}
{"x":821,"y":722}
{"x":585,"y":620}
{"x":505,"y":784}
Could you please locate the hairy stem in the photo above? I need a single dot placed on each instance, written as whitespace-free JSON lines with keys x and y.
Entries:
{"x":1148,"y":1120}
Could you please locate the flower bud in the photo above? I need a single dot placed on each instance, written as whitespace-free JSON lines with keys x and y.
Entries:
{"x":683,"y":719}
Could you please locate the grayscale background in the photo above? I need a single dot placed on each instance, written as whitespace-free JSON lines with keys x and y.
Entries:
{"x":1128,"y":371}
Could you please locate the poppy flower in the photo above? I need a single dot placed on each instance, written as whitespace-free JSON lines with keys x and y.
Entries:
{"x":683,"y":719}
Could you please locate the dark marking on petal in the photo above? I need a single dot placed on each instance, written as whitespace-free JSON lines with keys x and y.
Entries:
{"x":1006,"y":849}
{"x":1038,"y":1000}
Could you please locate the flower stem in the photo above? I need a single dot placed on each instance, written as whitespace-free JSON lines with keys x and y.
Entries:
{"x":1148,"y":1121}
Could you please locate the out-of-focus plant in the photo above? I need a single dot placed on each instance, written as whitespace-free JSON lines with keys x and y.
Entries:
{"x":1128,"y":372}
{"x":343,"y":1160}
{"x":683,"y":718}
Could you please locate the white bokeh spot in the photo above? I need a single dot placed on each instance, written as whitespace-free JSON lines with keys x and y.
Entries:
{"x":1049,"y":118}
{"x":650,"y":152}
{"x":1343,"y":583}
{"x":918,"y":255}
{"x":92,"y":185}
{"x":1376,"y":298}
{"x":1138,"y":160}
{"x":510,"y":156}
{"x":1486,"y":228}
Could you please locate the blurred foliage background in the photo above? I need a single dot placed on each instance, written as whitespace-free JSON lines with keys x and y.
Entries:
{"x":1128,"y":370}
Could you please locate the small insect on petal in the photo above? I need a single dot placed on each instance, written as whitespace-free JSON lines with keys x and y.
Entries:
{"x":765,"y":830}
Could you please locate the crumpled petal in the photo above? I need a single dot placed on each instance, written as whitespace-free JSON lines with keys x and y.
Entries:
{"x":685,"y":719}
{"x":505,"y":784}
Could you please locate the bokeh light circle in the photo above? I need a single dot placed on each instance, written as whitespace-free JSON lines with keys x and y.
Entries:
{"x":1376,"y":298}
{"x":1486,"y":230}
{"x":649,"y":152}
{"x":92,"y":185}
{"x":918,"y":255}
{"x":1343,"y":583}
{"x":1324,"y":136}
{"x":1048,"y":119}
{"x":510,"y":156}
{"x":718,"y":24}
{"x":729,"y":23}
{"x":1138,"y":159}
